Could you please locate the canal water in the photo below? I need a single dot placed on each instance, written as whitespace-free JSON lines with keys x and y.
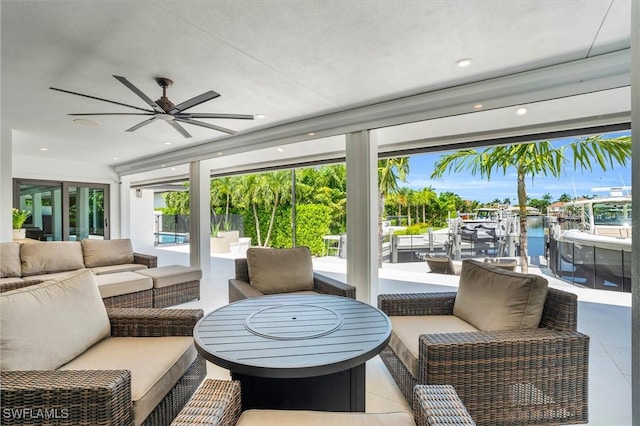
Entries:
{"x":535,"y":235}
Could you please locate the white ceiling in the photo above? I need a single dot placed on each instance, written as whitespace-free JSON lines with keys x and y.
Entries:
{"x":294,"y":61}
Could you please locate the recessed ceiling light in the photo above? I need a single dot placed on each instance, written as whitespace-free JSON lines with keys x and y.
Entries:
{"x":174,"y":169}
{"x":167,"y":143}
{"x":464,"y":62}
{"x":521,"y":111}
{"x":44,"y":149}
{"x":163,"y":165}
{"x":115,"y":158}
{"x":311,"y":134}
{"x":86,"y":122}
{"x":259,"y":116}
{"x":219,"y":153}
{"x":478,"y":106}
{"x":280,"y":150}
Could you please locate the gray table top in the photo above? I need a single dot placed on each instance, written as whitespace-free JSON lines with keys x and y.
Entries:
{"x":290,"y":336}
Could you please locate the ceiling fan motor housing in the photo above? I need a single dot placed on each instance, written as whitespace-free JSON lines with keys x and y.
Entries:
{"x":165,"y":103}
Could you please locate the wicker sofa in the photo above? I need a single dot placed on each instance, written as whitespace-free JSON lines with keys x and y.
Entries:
{"x":67,"y":360}
{"x":534,"y":371}
{"x":217,"y":403}
{"x":125,"y":279}
{"x":274,"y":271}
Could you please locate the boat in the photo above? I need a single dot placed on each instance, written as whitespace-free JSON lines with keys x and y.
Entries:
{"x":601,"y":246}
{"x":604,"y":222}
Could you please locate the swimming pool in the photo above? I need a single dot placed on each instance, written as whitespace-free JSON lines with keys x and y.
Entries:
{"x":169,"y":238}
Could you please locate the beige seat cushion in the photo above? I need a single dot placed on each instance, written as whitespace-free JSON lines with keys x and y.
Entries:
{"x":322,"y":418}
{"x":165,"y":276}
{"x":492,"y":298}
{"x":156,"y":365}
{"x":10,"y":260}
{"x":114,"y":269}
{"x":406,"y":331}
{"x":111,"y":285}
{"x":53,"y":276}
{"x":280,"y":270}
{"x":50,"y":256}
{"x":46,"y":325}
{"x":10,"y":280}
{"x":106,"y":252}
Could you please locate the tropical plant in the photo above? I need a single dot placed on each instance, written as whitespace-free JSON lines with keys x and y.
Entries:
{"x":531,"y":159}
{"x":19,"y":217}
{"x":177,"y":202}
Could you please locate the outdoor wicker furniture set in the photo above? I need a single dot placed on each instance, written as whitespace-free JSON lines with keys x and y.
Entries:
{"x":125,"y":279}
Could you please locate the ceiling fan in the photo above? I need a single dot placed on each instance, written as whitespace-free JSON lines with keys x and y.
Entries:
{"x":164,"y":110}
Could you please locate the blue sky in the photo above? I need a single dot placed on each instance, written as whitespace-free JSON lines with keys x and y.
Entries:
{"x":502,"y":186}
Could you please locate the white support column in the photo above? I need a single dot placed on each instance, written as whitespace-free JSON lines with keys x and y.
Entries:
{"x":362,"y":215}
{"x":635,"y":177}
{"x":125,"y":209}
{"x":6,"y":185}
{"x":199,"y":202}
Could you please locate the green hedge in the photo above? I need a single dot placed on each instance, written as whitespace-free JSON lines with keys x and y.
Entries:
{"x":313,"y":222}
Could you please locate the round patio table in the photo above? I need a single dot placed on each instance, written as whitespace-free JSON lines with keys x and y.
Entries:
{"x":295,"y":351}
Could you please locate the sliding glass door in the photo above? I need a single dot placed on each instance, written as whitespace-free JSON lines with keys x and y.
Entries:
{"x":86,"y":212}
{"x":63,"y":210}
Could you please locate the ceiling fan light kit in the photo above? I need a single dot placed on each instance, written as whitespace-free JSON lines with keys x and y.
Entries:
{"x":165,"y":110}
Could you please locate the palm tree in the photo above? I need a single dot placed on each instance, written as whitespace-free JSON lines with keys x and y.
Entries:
{"x":531,"y":159}
{"x":564,"y":198}
{"x":222,"y":189}
{"x":275,"y":188}
{"x":246,"y":194}
{"x":390,"y":170}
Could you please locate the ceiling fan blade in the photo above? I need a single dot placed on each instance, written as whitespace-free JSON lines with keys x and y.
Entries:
{"x":179,"y":128}
{"x":207,"y":96}
{"x":138,"y":92}
{"x":215,"y":115}
{"x":207,"y":125}
{"x":141,"y":124}
{"x":114,"y":113}
{"x":99,"y":99}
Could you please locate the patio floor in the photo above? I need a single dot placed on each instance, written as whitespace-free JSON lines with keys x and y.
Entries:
{"x":604,"y":316}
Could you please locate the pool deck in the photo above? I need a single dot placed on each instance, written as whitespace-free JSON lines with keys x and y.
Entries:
{"x":605,"y":316}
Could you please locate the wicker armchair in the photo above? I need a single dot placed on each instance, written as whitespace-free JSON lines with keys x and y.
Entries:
{"x":98,"y":397}
{"x":534,"y":376}
{"x":217,"y":403}
{"x":240,"y":287}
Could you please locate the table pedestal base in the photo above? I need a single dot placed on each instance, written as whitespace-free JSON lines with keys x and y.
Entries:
{"x":342,"y":391}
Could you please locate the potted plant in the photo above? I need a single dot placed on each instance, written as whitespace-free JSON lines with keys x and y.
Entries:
{"x":19,"y":217}
{"x":218,"y":243}
{"x":227,"y":232}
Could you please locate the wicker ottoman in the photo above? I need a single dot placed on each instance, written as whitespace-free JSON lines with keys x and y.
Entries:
{"x":173,"y":284}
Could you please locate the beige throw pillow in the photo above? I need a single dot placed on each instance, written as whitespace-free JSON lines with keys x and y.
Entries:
{"x":46,"y":325}
{"x":48,"y":257}
{"x":491,"y":298}
{"x":106,"y":252}
{"x":10,"y":260}
{"x":280,"y":270}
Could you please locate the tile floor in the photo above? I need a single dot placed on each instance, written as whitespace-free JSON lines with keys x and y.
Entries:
{"x":604,"y":316}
